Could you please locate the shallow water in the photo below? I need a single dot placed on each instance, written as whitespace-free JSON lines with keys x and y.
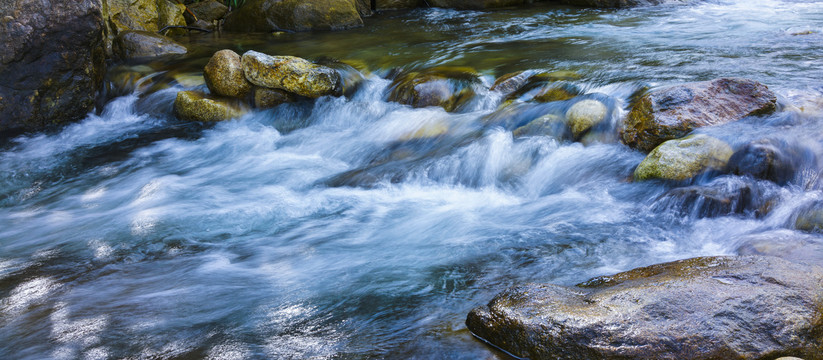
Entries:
{"x":134,"y":235}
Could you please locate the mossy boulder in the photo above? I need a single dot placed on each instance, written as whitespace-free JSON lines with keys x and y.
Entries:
{"x":143,"y":44}
{"x":751,"y":307}
{"x":292,"y":74}
{"x":142,"y":15}
{"x":170,"y":13}
{"x":224,"y":75}
{"x":684,"y":158}
{"x":265,"y":98}
{"x":474,"y":4}
{"x":294,"y":15}
{"x":445,"y":86}
{"x":52,"y":62}
{"x":197,"y":106}
{"x":675,"y":111}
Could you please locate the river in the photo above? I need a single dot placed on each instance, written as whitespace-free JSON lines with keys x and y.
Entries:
{"x":132,"y":234}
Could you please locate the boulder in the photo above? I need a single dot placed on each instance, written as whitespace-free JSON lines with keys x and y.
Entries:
{"x":224,"y":75}
{"x":770,"y":159}
{"x":538,"y":86}
{"x":444,"y":86}
{"x":751,"y":307}
{"x":265,"y":98}
{"x":197,"y":106}
{"x":52,"y":62}
{"x":474,"y":4}
{"x":142,"y":44}
{"x":723,"y":196}
{"x":209,"y":10}
{"x":292,"y":74}
{"x":294,"y":15}
{"x":783,"y":243}
{"x":673,"y":112}
{"x":584,"y":115}
{"x":144,"y":15}
{"x":547,"y":125}
{"x":684,"y":158}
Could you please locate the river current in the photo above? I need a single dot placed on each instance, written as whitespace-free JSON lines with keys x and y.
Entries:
{"x":132,"y":234}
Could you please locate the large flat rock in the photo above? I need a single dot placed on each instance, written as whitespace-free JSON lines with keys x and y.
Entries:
{"x":749,"y":307}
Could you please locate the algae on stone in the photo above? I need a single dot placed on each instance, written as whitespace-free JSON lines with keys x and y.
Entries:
{"x":197,"y":106}
{"x":224,"y":75}
{"x":684,"y":158}
{"x":292,"y":74}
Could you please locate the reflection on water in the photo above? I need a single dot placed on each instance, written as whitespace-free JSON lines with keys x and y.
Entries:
{"x":359,"y":228}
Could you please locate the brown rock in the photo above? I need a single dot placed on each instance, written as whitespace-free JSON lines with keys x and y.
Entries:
{"x":673,"y":112}
{"x":224,"y":75}
{"x":265,"y":98}
{"x":197,"y":106}
{"x":141,"y":44}
{"x":294,"y":15}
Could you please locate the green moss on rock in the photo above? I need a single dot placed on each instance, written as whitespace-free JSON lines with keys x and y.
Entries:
{"x":684,"y":158}
{"x":197,"y":106}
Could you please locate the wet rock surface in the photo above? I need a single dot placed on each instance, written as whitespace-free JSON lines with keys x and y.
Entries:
{"x":292,"y":74}
{"x":224,"y":75}
{"x":445,"y":86}
{"x":787,"y":244}
{"x":144,"y":44}
{"x":197,"y":106}
{"x":722,"y":196}
{"x":51,"y":62}
{"x":771,"y":159}
{"x":673,"y":112}
{"x":294,"y":15}
{"x":752,"y":307}
{"x":684,"y":158}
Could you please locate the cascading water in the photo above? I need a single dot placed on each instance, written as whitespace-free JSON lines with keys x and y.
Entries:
{"x":322,"y":230}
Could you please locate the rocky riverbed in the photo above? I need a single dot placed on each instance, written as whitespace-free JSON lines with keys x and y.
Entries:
{"x":307,"y":193}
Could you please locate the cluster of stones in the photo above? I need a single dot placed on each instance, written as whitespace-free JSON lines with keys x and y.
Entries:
{"x":255,"y":79}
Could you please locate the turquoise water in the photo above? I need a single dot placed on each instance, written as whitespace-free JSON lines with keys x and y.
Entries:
{"x":134,"y":235}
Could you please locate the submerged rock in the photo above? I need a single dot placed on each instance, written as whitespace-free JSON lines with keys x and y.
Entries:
{"x":753,"y":307}
{"x":294,"y":15}
{"x":197,"y":106}
{"x":684,"y":158}
{"x":770,"y":159}
{"x":52,"y":62}
{"x":224,"y":75}
{"x":810,"y":217}
{"x":292,"y":74}
{"x":723,"y":196}
{"x":142,"y":44}
{"x":584,"y":115}
{"x":474,"y":4}
{"x":783,"y":243}
{"x":444,"y":86}
{"x":675,"y":111}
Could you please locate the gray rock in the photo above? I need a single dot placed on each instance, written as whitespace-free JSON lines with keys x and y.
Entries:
{"x":209,"y":10}
{"x":673,"y":112}
{"x":143,"y":44}
{"x":753,"y":307}
{"x":783,"y":243}
{"x":52,"y":61}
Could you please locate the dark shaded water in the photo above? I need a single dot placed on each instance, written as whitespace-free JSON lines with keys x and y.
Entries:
{"x":134,"y":235}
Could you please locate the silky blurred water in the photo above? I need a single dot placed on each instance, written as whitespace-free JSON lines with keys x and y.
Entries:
{"x":132,"y":234}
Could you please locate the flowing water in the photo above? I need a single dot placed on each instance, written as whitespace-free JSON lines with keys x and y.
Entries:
{"x":132,"y":234}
